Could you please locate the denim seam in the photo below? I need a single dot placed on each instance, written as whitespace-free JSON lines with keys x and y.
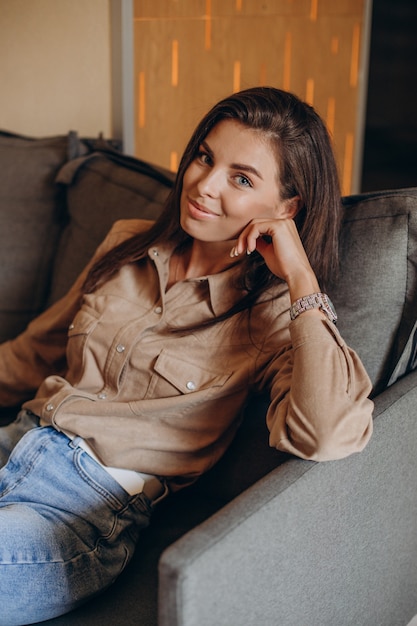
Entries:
{"x":30,"y":464}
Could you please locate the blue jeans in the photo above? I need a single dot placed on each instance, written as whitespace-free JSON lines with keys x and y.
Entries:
{"x":67,"y":528}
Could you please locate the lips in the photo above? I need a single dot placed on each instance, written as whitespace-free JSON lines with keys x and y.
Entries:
{"x":199,"y":211}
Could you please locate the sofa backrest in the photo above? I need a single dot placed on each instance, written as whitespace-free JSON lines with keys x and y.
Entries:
{"x":376,"y":293}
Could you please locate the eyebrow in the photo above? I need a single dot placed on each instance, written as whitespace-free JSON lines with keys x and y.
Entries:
{"x":235,"y":166}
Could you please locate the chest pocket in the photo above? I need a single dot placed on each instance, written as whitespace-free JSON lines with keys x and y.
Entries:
{"x":173,"y":375}
{"x":78,"y":333}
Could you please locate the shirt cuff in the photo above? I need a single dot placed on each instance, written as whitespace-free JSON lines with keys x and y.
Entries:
{"x":309,"y":329}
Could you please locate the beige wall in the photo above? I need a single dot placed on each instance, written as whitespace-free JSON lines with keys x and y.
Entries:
{"x":55,"y":67}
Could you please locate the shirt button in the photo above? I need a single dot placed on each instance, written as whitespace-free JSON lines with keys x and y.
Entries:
{"x":158,"y":310}
{"x":49,"y":407}
{"x":191,"y":386}
{"x":102,"y":395}
{"x":155,"y":252}
{"x":71,"y":327}
{"x":120,"y":348}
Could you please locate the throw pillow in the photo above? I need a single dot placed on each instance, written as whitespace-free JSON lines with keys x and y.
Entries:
{"x":31,"y":214}
{"x":100,"y":189}
{"x":375,"y":296}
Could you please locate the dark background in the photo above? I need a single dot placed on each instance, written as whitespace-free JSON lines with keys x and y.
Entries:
{"x":390,"y":147}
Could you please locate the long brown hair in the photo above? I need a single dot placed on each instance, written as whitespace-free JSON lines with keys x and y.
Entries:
{"x":307,"y":169}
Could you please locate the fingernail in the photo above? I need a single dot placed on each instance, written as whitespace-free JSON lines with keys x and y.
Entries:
{"x":233,"y":252}
{"x":249,"y":251}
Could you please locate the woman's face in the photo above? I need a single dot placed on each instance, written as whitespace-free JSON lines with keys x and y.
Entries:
{"x":233,"y":179}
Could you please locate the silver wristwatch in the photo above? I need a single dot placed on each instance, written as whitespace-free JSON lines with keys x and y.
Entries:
{"x":314,"y":301}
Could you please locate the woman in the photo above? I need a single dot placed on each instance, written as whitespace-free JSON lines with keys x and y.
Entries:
{"x":140,"y":373}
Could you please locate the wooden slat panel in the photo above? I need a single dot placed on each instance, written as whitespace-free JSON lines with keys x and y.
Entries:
{"x":189,"y":54}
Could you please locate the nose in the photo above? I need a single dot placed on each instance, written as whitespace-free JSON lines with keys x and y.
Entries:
{"x":209,"y":183}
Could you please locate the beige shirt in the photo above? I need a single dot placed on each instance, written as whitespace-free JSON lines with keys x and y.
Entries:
{"x":106,"y":366}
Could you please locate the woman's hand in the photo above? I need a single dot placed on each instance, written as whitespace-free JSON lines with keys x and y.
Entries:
{"x":279,"y":243}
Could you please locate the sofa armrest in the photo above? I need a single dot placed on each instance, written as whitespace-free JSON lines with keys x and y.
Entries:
{"x":318,"y":543}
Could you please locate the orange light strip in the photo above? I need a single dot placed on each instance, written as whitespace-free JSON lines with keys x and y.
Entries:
{"x":236,"y":76}
{"x":173,"y":161}
{"x":238,"y":5}
{"x":207,"y":43}
{"x":334,"y":46}
{"x":174,"y":67}
{"x":141,"y":100}
{"x":354,"y":63}
{"x":348,"y":165}
{"x":314,"y":10}
{"x":287,"y":61}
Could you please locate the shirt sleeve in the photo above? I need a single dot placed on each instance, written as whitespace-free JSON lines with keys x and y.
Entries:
{"x":40,"y":350}
{"x":320,"y":409}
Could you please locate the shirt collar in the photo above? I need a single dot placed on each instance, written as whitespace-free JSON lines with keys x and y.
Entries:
{"x":223,"y":290}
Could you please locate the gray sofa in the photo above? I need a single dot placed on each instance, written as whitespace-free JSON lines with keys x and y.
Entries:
{"x":264,"y":539}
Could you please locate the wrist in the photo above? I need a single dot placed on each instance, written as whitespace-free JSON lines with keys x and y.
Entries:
{"x":302,"y":285}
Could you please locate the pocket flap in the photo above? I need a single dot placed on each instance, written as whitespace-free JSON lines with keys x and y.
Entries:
{"x":187,"y":376}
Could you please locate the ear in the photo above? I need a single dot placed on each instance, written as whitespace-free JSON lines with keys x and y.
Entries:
{"x":289,"y":208}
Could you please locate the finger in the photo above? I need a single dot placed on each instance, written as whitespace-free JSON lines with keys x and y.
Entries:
{"x":263,"y":245}
{"x":251,"y":235}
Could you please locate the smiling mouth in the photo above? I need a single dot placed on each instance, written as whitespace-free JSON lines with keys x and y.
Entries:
{"x":197,"y":208}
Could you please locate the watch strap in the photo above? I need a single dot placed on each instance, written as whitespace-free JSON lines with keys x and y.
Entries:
{"x":313,"y":301}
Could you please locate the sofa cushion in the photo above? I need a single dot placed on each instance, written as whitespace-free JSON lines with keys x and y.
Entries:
{"x":101,"y":188}
{"x":376,"y":294}
{"x":31,"y":216}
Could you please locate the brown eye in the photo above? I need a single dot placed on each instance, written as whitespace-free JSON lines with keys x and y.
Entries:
{"x":204,"y":158}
